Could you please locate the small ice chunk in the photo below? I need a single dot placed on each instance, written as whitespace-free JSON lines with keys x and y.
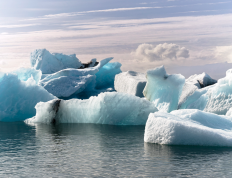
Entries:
{"x":18,"y":98}
{"x":188,"y":127}
{"x":107,"y":108}
{"x":163,"y":89}
{"x":130,"y":82}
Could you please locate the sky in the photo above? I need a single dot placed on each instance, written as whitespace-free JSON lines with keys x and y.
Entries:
{"x":186,"y":36}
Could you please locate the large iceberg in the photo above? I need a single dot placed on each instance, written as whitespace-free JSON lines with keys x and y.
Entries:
{"x":163,"y":89}
{"x":106,"y":75}
{"x":215,"y":98}
{"x":42,"y":59}
{"x":130,"y":82}
{"x":72,"y":81}
{"x":107,"y":108}
{"x":194,"y":83}
{"x":18,"y":98}
{"x":189,"y":127}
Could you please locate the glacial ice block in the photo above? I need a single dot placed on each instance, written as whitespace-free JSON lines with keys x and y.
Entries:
{"x":192,"y":84}
{"x":67,"y":82}
{"x":203,"y":80}
{"x":189,"y":127}
{"x":130,"y":82}
{"x":215,"y":98}
{"x":18,"y":98}
{"x":163,"y":89}
{"x":66,"y":86}
{"x":107,"y":108}
{"x":42,"y":59}
{"x":68,"y":61}
{"x":25,"y":73}
{"x":106,"y":75}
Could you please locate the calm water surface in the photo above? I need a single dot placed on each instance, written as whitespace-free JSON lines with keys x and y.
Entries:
{"x":77,"y":150}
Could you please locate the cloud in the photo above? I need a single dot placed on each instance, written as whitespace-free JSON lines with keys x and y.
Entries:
{"x":18,"y":25}
{"x":4,"y":33}
{"x":224,"y":53}
{"x":61,"y":15}
{"x":2,"y":62}
{"x":160,"y":52}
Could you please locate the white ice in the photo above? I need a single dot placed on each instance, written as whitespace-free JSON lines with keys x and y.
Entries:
{"x":192,"y":84}
{"x":215,"y":98}
{"x":25,"y":73}
{"x":18,"y":98}
{"x":189,"y":127}
{"x":130,"y":82}
{"x":203,"y":80}
{"x":42,"y":59}
{"x":107,"y":108}
{"x":163,"y":89}
{"x":72,"y":81}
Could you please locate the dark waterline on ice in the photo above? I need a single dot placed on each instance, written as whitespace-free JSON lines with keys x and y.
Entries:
{"x":74,"y":150}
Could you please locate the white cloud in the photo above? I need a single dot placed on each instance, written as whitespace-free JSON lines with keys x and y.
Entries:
{"x":2,"y":62}
{"x":103,"y":38}
{"x":4,"y":33}
{"x":17,"y":26}
{"x":224,"y":53}
{"x":61,"y":15}
{"x":160,"y":52}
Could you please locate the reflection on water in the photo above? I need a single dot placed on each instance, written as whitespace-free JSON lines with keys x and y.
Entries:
{"x":75,"y":150}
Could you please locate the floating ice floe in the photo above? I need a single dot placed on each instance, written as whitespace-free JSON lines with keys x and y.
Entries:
{"x":192,"y":84}
{"x":189,"y":127}
{"x":107,"y":108}
{"x":215,"y":98}
{"x":130,"y":82}
{"x":162,"y":89}
{"x":42,"y":59}
{"x":72,"y":81}
{"x":18,"y":98}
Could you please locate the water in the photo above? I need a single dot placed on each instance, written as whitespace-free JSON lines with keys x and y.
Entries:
{"x":87,"y":150}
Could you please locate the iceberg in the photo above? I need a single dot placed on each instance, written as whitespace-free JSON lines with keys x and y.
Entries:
{"x":67,"y":82}
{"x":18,"y":98}
{"x":25,"y":73}
{"x":130,"y":82}
{"x":192,"y":84}
{"x":189,"y":127}
{"x":106,"y":75}
{"x":203,"y":80}
{"x":42,"y":59}
{"x":107,"y":108}
{"x":163,"y":89}
{"x":215,"y":98}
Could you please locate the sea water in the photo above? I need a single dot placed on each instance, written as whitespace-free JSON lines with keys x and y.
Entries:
{"x":88,"y":150}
